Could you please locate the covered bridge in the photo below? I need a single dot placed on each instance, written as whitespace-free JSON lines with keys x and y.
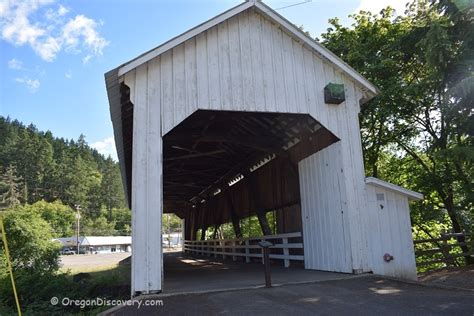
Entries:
{"x":246,"y":114}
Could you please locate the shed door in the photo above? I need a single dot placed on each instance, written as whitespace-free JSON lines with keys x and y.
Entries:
{"x":325,"y":229}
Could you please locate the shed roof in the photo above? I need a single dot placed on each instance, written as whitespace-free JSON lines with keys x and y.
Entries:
{"x":106,"y":240}
{"x":95,"y":240}
{"x":412,"y":195}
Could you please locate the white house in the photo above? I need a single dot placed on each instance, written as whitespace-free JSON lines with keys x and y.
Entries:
{"x":244,"y":114}
{"x":98,"y":244}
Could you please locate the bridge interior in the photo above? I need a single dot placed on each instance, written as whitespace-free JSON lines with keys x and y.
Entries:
{"x":223,"y":166}
{"x":187,"y":274}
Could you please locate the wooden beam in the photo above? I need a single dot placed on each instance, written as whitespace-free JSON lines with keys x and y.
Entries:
{"x":225,"y":178}
{"x":196,"y":155}
{"x":262,"y":143}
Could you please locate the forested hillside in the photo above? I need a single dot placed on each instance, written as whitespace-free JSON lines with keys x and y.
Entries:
{"x":37,"y":167}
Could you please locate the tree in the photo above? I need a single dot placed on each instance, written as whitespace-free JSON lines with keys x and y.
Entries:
{"x":422,"y":63}
{"x":30,"y":242}
{"x":111,"y":187}
{"x":10,"y":192}
{"x":59,"y":169}
{"x":60,"y":217}
{"x":98,"y":227}
{"x":122,"y":217}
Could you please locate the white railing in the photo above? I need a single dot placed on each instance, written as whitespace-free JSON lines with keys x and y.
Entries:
{"x":247,"y":248}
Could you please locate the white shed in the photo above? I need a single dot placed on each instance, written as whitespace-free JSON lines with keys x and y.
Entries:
{"x":242,"y":115}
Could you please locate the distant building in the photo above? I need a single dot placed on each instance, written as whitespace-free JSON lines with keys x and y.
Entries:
{"x":172,"y":240}
{"x":98,"y":244}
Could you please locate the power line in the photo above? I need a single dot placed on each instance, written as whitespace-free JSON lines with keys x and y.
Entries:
{"x":293,"y":5}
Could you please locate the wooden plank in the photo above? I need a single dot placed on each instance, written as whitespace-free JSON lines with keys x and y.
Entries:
{"x":300,"y":86}
{"x":224,"y":67}
{"x":245,"y":60}
{"x":235,"y":63}
{"x":168,"y":113}
{"x":202,"y":71}
{"x":191,"y":76}
{"x":146,"y":182}
{"x":278,"y":72}
{"x":256,"y":60}
{"x":289,"y":75}
{"x":179,"y":85}
{"x":154,"y":190}
{"x":267,"y":65}
{"x":213,"y":66}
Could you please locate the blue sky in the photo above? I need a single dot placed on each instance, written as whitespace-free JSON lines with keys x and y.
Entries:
{"x":54,"y":53}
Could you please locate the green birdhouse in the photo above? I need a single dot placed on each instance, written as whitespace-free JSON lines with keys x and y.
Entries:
{"x":334,"y":93}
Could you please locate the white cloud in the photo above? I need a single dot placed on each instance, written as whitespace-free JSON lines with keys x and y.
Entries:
{"x":15,"y":64}
{"x":375,"y":6}
{"x":81,"y":27}
{"x":53,"y":15}
{"x":86,"y":59}
{"x":32,"y":84}
{"x":68,"y":74}
{"x":22,"y":23}
{"x":106,"y":147}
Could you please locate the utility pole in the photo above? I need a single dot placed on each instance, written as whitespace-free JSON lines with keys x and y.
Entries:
{"x":78,"y":219}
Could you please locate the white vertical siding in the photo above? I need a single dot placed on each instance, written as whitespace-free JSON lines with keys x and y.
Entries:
{"x":146,"y":178}
{"x":390,"y":232}
{"x":247,"y":63}
{"x":325,"y":236}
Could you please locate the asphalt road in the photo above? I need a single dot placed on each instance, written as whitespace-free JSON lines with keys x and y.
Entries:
{"x":368,"y":295}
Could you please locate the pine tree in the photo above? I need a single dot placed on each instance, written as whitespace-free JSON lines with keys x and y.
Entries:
{"x":10,"y":188}
{"x":111,"y":187}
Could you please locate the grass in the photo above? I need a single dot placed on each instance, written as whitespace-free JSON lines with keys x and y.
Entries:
{"x":88,"y":269}
{"x":36,"y":291}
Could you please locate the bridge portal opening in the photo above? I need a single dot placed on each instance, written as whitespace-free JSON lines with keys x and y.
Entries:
{"x":225,"y":167}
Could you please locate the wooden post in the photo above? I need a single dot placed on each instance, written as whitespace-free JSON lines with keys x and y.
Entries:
{"x":286,"y":252}
{"x":262,"y":219}
{"x":214,"y":235}
{"x":449,"y":260}
{"x":215,"y":248}
{"x":247,"y":251}
{"x":147,"y":189}
{"x":235,"y":218}
{"x":234,"y":258}
{"x":266,"y":259}
{"x":203,"y":233}
{"x":223,"y":249}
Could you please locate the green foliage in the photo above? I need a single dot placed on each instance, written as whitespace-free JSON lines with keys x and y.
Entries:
{"x":10,"y":192}
{"x":61,"y":217}
{"x":43,"y":170}
{"x":122,"y":217}
{"x":42,"y":167}
{"x":99,"y":226}
{"x":35,"y":260}
{"x":171,"y":223}
{"x":111,"y":187}
{"x":30,"y":242}
{"x":249,"y":226}
{"x":36,"y":290}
